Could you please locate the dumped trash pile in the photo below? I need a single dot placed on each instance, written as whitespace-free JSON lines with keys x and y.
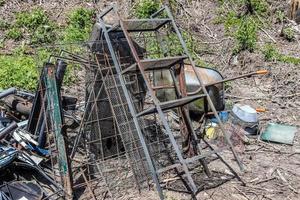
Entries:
{"x":139,"y":116}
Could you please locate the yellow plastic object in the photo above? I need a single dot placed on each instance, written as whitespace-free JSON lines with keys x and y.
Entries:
{"x":210,"y":132}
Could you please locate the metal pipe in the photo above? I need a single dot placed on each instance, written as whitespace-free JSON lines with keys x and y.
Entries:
{"x":7,"y":92}
{"x":8,"y":130}
{"x":60,"y":72}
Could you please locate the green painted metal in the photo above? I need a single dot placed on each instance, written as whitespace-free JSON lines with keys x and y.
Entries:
{"x":55,"y":114}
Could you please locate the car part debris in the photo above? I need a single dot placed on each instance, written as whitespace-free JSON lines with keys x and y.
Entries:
{"x":8,"y":129}
{"x":22,"y":190}
{"x":7,"y":155}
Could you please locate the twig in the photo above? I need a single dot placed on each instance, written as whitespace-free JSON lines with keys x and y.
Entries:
{"x":265,"y":180}
{"x":265,"y":32}
{"x":242,"y":193}
{"x":246,"y":98}
{"x":287,"y":96}
{"x":285,"y":181}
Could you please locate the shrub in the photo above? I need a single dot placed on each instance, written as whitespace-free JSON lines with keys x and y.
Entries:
{"x":146,"y":8}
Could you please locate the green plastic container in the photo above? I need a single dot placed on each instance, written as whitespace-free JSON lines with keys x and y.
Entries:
{"x":279,"y":133}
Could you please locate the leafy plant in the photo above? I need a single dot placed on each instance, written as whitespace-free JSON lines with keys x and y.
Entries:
{"x":32,"y":19}
{"x":43,"y":34}
{"x":259,"y":7}
{"x":145,"y":8}
{"x":37,"y":24}
{"x":280,"y":16}
{"x":17,"y":71}
{"x":80,"y":22}
{"x":288,"y":33}
{"x":14,"y":33}
{"x":242,"y":21}
{"x":2,"y":2}
{"x":4,"y":25}
{"x":246,"y":35}
{"x":272,"y":54}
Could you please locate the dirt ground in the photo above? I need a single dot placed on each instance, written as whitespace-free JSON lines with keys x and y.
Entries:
{"x":272,"y":171}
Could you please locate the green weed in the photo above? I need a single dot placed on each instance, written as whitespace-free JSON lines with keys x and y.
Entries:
{"x":242,"y":21}
{"x":288,"y":33}
{"x":272,"y":54}
{"x":246,"y":35}
{"x":17,"y":71}
{"x":145,"y":8}
{"x":4,"y":25}
{"x":279,"y":16}
{"x":80,"y":22}
{"x":38,"y":25}
{"x":14,"y":33}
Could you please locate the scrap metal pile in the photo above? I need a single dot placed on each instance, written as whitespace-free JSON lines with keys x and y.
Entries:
{"x":127,"y":124}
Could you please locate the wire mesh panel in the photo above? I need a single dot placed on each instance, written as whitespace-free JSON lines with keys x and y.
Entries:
{"x":125,"y":125}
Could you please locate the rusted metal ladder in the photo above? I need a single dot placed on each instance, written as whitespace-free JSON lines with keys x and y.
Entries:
{"x":145,"y":65}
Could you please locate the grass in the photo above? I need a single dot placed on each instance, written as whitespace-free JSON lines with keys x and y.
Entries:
{"x":272,"y":54}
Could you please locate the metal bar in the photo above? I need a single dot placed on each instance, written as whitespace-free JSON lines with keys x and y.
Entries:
{"x":186,"y":118}
{"x":8,"y":130}
{"x":106,"y":12}
{"x":159,"y":110}
{"x":77,"y":139}
{"x":7,"y":92}
{"x":158,"y":12}
{"x":54,"y":111}
{"x":188,"y":160}
{"x":132,"y":110}
{"x":163,"y":87}
{"x":225,"y":163}
{"x":205,"y":91}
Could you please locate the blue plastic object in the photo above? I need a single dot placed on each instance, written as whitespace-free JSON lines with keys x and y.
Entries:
{"x":223,"y":116}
